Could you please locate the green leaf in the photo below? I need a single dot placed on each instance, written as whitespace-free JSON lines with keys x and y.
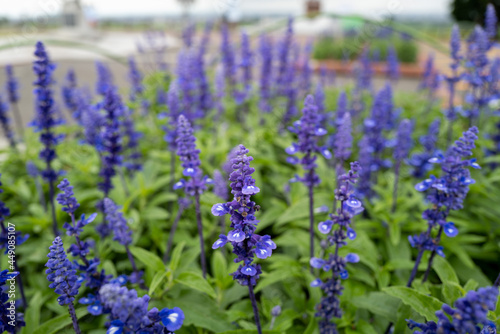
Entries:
{"x":313,"y":325}
{"x":219,"y":268}
{"x":471,"y":284}
{"x":378,"y":303}
{"x":32,"y":316}
{"x":149,"y":259}
{"x":424,"y":305}
{"x":203,"y":312}
{"x":155,"y":282}
{"x":58,"y":323}
{"x":444,"y":270}
{"x":176,"y":256}
{"x":195,"y":281}
{"x":452,"y":291}
{"x":400,"y":326}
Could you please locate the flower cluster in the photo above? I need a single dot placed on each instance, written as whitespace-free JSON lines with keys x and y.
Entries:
{"x":61,"y":273}
{"x":135,"y":77}
{"x":189,"y":156}
{"x":46,"y":115}
{"x":5,"y":123}
{"x":446,"y":193}
{"x":87,"y":268}
{"x":128,"y":313}
{"x":111,"y":157}
{"x":420,"y":160}
{"x":70,"y":92}
{"x":308,"y":131}
{"x":246,"y":243}
{"x":469,"y":313}
{"x":336,"y":264}
{"x":118,"y":223}
{"x":12,"y":85}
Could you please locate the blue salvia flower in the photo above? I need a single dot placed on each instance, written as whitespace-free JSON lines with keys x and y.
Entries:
{"x":284,"y":57}
{"x":104,"y":79}
{"x":196,"y":185}
{"x":382,"y":118}
{"x":468,"y":314}
{"x":12,"y":88}
{"x":205,"y":99}
{"x":111,"y":158}
{"x":403,"y":145}
{"x":173,"y":113}
{"x":122,"y":234}
{"x":69,"y":92}
{"x":190,"y":161}
{"x":132,"y":159}
{"x":365,"y":159}
{"x":246,"y":243}
{"x":12,"y":85}
{"x":319,"y":97}
{"x":342,"y":107}
{"x":135,"y":77}
{"x":117,"y":223}
{"x":63,"y":277}
{"x":290,"y":92}
{"x":228,"y":59}
{"x":88,"y":267}
{"x":445,"y":193}
{"x":343,"y":139}
{"x":129,"y":314}
{"x":453,"y":79}
{"x":364,"y":71}
{"x":7,"y":309}
{"x":308,"y":131}
{"x":490,"y":24}
{"x":329,"y":307}
{"x":187,"y":85}
{"x":93,"y":121}
{"x":476,"y":75}
{"x":307,"y":70}
{"x":46,"y":120}
{"x":429,"y":70}
{"x":246,"y":65}
{"x":420,"y":161}
{"x":392,"y":70}
{"x":220,"y":187}
{"x":266,"y":73}
{"x":5,"y":122}
{"x":220,"y":91}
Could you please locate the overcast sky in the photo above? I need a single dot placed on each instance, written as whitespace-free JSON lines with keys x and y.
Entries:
{"x":20,"y":8}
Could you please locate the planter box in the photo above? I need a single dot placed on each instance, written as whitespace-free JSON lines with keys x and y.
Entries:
{"x":379,"y":68}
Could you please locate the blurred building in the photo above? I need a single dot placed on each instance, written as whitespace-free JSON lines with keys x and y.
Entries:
{"x":72,"y":14}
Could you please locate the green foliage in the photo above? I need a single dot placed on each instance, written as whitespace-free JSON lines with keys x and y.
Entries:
{"x":375,"y":293}
{"x":329,"y":48}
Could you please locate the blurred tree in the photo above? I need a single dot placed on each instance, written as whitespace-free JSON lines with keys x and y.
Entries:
{"x":472,"y":10}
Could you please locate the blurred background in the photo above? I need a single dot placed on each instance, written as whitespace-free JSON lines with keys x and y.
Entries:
{"x":79,"y":32}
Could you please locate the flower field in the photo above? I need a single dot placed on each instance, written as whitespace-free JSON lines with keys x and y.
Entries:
{"x":254,"y":194}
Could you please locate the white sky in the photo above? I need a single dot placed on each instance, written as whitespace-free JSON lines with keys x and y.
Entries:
{"x":23,"y":8}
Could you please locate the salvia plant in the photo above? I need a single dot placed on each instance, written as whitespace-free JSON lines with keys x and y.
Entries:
{"x":197,"y":182}
{"x":308,"y":130}
{"x":12,"y":88}
{"x":46,"y":120}
{"x":338,"y":229}
{"x":139,"y":264}
{"x":246,"y":243}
